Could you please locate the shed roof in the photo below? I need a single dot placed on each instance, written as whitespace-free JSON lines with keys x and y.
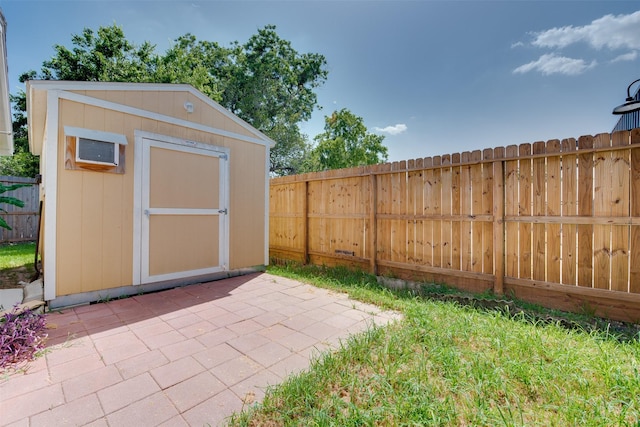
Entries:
{"x":37,"y":104}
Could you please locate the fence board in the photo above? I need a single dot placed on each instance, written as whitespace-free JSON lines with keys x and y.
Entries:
{"x":538,"y":236}
{"x":569,"y":170}
{"x":435,"y":227}
{"x":486,"y":207}
{"x":634,"y":279}
{"x":585,"y":209}
{"x":511,"y":202}
{"x":23,"y":221}
{"x":619,"y":199}
{"x":524,"y":209}
{"x":601,"y":207}
{"x":554,"y":193}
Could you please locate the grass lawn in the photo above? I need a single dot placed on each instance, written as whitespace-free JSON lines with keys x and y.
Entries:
{"x":449,"y":365}
{"x":16,"y":263}
{"x":16,"y":255}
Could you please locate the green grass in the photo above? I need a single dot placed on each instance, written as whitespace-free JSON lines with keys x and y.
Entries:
{"x":17,"y":255}
{"x":445,"y":364}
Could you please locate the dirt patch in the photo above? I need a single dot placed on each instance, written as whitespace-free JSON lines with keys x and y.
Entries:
{"x":10,"y":277}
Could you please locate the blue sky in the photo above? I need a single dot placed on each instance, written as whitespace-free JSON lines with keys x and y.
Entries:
{"x":434,"y":77}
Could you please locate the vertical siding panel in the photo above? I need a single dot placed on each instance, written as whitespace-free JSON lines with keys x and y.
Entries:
{"x":554,"y":193}
{"x":92,"y":205}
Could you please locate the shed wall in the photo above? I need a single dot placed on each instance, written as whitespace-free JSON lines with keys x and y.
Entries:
{"x":95,"y":210}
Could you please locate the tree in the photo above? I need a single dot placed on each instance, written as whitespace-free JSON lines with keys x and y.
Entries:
{"x":22,"y":163}
{"x":345,"y":143}
{"x":265,"y":81}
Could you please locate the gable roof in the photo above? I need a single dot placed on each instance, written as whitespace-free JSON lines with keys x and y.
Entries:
{"x":6,"y":135}
{"x":37,"y":106}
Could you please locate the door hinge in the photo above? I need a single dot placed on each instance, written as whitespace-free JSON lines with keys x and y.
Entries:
{"x":222,"y":211}
{"x":224,"y":156}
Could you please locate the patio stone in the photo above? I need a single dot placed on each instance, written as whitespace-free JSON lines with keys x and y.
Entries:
{"x":184,"y":357}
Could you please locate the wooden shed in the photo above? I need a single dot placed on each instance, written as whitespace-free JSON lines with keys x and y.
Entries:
{"x":144,"y":187}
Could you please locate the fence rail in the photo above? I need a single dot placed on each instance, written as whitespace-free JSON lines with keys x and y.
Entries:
{"x":556,"y":223}
{"x":23,"y":221}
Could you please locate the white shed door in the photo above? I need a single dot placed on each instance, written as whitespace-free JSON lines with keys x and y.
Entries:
{"x":183,"y":219}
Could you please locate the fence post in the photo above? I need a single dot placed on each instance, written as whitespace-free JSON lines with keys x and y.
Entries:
{"x":498,"y":221}
{"x":373,"y":223}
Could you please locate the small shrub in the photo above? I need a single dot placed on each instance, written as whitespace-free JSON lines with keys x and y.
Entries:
{"x":21,"y":337}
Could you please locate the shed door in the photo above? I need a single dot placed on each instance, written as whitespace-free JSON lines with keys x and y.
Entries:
{"x":183,"y":221}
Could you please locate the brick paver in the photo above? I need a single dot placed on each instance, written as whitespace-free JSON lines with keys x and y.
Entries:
{"x":187,"y":356}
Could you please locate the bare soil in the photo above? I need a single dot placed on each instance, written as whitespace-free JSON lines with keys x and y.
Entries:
{"x":10,"y":277}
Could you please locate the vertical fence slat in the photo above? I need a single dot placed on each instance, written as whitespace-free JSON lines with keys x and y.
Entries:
{"x":524,"y":209}
{"x":512,"y":200}
{"x":498,"y":228}
{"x":634,"y":262}
{"x":602,"y":207}
{"x":488,"y":182}
{"x":434,"y":228}
{"x":554,"y":192}
{"x":476,"y":209}
{"x":569,"y":209}
{"x":465,"y":211}
{"x":585,"y":209}
{"x":539,"y":209}
{"x":455,"y":211}
{"x":620,"y":185}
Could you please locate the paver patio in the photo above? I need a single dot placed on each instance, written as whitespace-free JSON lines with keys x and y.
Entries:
{"x":188,"y":356}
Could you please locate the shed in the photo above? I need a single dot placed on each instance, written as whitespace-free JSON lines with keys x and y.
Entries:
{"x":144,"y":187}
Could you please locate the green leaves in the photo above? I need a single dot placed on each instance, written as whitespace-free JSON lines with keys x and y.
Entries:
{"x":264,"y":81}
{"x":9,"y":200}
{"x":345,"y":142}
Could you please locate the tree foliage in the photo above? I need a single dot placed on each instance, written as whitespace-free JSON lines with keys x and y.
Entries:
{"x":264,"y":81}
{"x":345,"y":142}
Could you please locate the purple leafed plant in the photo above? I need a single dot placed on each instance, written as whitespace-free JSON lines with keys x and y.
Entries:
{"x":21,"y":337}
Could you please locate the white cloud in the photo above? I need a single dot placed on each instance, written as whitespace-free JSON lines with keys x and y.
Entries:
{"x":516,"y":44}
{"x":551,"y":63}
{"x":392,"y":130}
{"x":631,"y":56}
{"x":610,"y":31}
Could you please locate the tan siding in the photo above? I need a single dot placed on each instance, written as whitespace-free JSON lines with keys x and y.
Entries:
{"x":247,"y":198}
{"x":95,"y":210}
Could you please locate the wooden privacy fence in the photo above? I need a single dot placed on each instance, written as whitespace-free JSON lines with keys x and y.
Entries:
{"x":23,"y":221}
{"x":556,"y":223}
